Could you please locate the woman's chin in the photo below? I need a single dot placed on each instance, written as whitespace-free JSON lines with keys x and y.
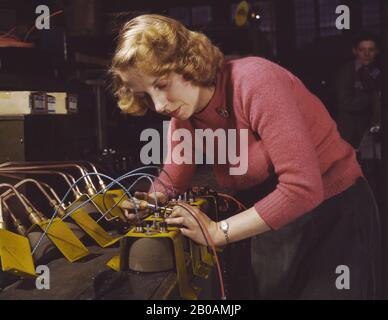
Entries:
{"x":181,"y":116}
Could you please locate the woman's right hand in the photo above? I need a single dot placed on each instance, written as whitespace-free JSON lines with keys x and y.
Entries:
{"x":129,"y":209}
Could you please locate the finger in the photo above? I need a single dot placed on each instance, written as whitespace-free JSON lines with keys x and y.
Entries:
{"x":179,"y":220}
{"x":175,"y":213}
{"x":178,"y":211}
{"x":127,"y":204}
{"x":129,"y":216}
{"x":144,"y":213}
{"x":186,"y":232}
{"x":141,"y":195}
{"x":160,"y":197}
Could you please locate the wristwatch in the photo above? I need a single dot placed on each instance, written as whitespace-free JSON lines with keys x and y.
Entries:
{"x":224,"y":226}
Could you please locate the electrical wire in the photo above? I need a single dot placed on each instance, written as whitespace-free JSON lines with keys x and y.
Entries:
{"x":90,"y":198}
{"x":63,"y":201}
{"x":122,"y":196}
{"x":138,"y":169}
{"x":11,"y":42}
{"x":159,"y":170}
{"x":240,"y":205}
{"x":126,"y":192}
{"x":129,"y":175}
{"x":203,"y":229}
{"x":114,"y":181}
{"x":119,"y":179}
{"x":8,"y":33}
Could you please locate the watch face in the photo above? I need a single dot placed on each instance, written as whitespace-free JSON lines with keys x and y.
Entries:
{"x":224,"y":225}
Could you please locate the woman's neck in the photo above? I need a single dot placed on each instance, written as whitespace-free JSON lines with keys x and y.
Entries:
{"x":206,"y":95}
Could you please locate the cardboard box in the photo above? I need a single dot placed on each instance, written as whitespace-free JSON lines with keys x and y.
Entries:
{"x":27,"y":102}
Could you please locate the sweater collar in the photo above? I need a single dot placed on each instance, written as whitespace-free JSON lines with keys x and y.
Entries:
{"x":216,"y":104}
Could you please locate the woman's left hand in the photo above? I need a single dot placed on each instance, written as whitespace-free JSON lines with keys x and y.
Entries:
{"x":190,"y":227}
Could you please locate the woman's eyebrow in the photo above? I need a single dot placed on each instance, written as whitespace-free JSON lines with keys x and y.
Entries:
{"x":156,"y":80}
{"x":164,"y":77}
{"x":142,"y":92}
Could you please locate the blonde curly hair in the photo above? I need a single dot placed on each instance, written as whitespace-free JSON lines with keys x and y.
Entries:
{"x":158,"y":45}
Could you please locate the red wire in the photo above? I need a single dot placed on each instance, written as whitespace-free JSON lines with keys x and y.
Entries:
{"x":8,"y":33}
{"x":234,"y":199}
{"x":10,"y":36}
{"x":10,"y":42}
{"x":212,"y":245}
{"x":33,"y":27}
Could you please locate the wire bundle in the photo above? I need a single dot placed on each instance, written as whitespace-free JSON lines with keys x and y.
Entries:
{"x":127,"y":191}
{"x":138,"y":174}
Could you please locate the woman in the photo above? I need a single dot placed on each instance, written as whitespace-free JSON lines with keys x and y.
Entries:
{"x":320,"y":216}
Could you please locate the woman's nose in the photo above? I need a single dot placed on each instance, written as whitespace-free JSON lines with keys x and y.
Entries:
{"x":159,"y":107}
{"x":160,"y":104}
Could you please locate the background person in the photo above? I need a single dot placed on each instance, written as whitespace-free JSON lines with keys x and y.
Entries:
{"x":358,"y":91}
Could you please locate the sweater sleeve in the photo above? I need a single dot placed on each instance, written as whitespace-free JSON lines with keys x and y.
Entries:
{"x":271,"y":103}
{"x":179,"y":167}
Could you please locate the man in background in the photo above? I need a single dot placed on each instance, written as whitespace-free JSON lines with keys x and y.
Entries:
{"x":358,"y":92}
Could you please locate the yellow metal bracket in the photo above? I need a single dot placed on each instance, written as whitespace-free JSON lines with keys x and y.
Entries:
{"x":15,"y":253}
{"x":201,"y":253}
{"x":199,"y":269}
{"x":107,"y":202}
{"x":89,"y":225}
{"x":64,"y":239}
{"x":120,"y":263}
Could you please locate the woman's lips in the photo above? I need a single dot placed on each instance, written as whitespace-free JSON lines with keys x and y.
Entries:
{"x":176,"y":112}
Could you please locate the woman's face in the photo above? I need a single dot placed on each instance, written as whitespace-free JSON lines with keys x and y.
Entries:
{"x":171,"y":94}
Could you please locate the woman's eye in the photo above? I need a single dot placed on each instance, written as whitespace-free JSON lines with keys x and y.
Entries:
{"x":160,"y":86}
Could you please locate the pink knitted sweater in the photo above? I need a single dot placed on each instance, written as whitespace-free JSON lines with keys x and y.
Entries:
{"x":290,"y":134}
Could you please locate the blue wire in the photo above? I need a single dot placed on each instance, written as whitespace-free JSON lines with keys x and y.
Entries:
{"x":145,"y":175}
{"x":122,"y":196}
{"x":67,"y":194}
{"x":114,"y":181}
{"x":159,"y":169}
{"x":131,"y":174}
